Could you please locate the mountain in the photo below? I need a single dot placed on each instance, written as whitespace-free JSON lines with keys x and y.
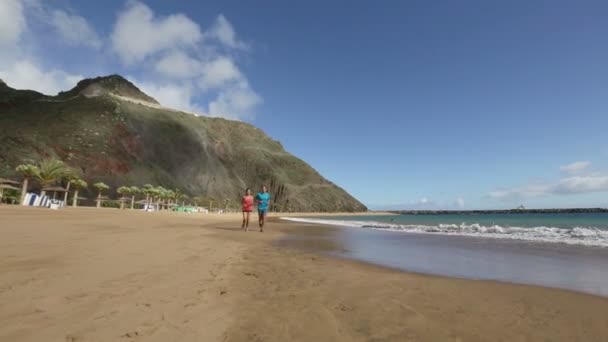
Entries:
{"x":111,"y":131}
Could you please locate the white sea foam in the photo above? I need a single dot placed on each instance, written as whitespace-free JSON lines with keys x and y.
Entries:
{"x":588,"y":236}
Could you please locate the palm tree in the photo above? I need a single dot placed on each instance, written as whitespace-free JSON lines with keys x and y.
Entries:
{"x":159,"y":194}
{"x":183,"y":198}
{"x":133,"y":191}
{"x":197,"y":200}
{"x":152,"y":194}
{"x":147,"y":190}
{"x":78,"y":184}
{"x":178,"y":195}
{"x":27,"y":171}
{"x":70,"y":175}
{"x":100,"y":186}
{"x":227,"y":203}
{"x":50,"y":170}
{"x":165,"y":196}
{"x":123,"y":190}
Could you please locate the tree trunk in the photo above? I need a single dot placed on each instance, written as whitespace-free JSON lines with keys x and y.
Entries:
{"x":132,"y":201}
{"x":67,"y":192}
{"x":24,"y":189}
{"x":99,"y":200}
{"x":122,"y":204}
{"x":75,"y":199}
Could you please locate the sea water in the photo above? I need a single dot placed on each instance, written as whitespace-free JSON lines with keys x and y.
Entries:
{"x":568,"y":251}
{"x":590,"y":229}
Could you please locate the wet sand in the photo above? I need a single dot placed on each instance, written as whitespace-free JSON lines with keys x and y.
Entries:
{"x":110,"y":275}
{"x":571,"y":267}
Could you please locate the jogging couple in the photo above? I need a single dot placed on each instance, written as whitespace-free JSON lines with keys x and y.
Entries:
{"x":262,"y":199}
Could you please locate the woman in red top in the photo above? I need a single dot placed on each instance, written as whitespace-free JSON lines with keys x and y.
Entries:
{"x":247,"y":202}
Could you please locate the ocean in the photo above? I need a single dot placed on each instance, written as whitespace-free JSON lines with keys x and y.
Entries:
{"x":590,"y":229}
{"x":568,"y":251}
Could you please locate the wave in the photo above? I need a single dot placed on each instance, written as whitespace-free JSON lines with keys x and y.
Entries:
{"x":588,"y":236}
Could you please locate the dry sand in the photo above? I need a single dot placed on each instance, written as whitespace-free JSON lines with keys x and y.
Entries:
{"x":110,"y":275}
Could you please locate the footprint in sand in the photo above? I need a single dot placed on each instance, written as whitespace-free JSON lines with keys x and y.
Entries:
{"x":130,"y":334}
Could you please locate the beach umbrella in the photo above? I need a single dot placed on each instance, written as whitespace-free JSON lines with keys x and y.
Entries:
{"x":8,"y":181}
{"x":6,"y":186}
{"x":123,"y":200}
{"x":54,"y":190}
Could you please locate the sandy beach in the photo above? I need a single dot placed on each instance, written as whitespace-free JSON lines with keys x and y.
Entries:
{"x":90,"y":274}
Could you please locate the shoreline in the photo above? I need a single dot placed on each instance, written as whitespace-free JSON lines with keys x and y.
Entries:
{"x":583,"y":235}
{"x":70,"y":275}
{"x":520,"y":262}
{"x":502,"y":211}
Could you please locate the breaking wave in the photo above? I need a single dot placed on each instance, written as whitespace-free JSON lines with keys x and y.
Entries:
{"x":588,"y":236}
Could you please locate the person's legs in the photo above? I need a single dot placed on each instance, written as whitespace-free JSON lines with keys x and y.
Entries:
{"x":262,"y":216}
{"x":247,"y":222}
{"x":244,"y":221}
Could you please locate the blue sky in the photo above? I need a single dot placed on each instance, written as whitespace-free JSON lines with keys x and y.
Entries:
{"x":437,"y":105}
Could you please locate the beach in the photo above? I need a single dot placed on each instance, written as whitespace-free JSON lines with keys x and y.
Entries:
{"x":89,"y":274}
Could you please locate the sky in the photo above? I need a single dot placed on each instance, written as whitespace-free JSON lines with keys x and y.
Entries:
{"x":405,"y":104}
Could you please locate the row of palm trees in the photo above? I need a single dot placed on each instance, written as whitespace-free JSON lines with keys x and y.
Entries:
{"x":51,"y":171}
{"x":157,"y":195}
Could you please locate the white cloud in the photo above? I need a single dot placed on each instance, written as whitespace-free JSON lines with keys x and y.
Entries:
{"x":564,"y":186}
{"x":459,"y":202}
{"x":575,"y":167}
{"x":28,"y":75}
{"x":12,"y":21}
{"x":219,"y":72}
{"x":573,"y":184}
{"x":171,"y":95}
{"x":235,"y":103}
{"x":18,"y":68}
{"x":175,"y":48}
{"x":74,"y":29}
{"x":138,"y":34}
{"x":581,"y":184}
{"x":178,"y":64}
{"x":423,"y":200}
{"x":223,"y":31}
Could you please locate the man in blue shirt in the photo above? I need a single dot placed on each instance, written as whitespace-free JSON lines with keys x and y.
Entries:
{"x":263,"y":201}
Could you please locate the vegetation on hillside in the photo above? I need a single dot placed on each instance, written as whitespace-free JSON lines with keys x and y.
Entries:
{"x":108,"y":139}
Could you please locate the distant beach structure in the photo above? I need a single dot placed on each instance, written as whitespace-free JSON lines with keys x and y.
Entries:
{"x":521,"y":207}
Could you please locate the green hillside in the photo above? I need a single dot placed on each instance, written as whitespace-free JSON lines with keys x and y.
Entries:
{"x":96,"y":129}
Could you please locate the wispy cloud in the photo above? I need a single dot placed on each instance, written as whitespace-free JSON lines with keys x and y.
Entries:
{"x":179,"y":49}
{"x":12,"y":22}
{"x":138,"y":33}
{"x":573,"y":184}
{"x":575,"y":167}
{"x":223,"y":31}
{"x":173,"y":57}
{"x":18,"y":67}
{"x":22,"y":74}
{"x":74,"y":29}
